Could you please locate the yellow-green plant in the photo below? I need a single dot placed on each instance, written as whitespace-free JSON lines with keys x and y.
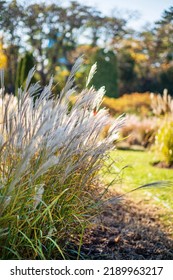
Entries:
{"x":164,"y":141}
{"x":162,"y":106}
{"x":49,"y":162}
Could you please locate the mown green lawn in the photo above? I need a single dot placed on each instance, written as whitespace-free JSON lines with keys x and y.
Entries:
{"x":133,"y":169}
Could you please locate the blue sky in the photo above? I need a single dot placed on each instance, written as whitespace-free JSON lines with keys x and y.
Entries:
{"x":150,"y":10}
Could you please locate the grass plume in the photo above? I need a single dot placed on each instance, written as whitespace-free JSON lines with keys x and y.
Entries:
{"x":49,"y":162}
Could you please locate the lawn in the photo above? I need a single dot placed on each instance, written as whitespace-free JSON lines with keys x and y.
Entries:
{"x":136,"y":170}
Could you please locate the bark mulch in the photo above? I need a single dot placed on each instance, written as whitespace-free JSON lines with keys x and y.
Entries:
{"x":128,"y":231}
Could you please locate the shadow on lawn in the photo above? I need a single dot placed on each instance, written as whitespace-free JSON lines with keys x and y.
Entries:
{"x":127,"y":231}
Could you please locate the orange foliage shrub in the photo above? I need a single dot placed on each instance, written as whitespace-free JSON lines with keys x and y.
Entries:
{"x":139,"y":103}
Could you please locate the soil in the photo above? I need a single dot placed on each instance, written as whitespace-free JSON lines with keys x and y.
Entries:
{"x":162,"y":164}
{"x":128,"y":231}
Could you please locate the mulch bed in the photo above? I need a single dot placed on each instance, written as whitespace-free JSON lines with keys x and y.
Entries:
{"x":162,"y":164}
{"x":128,"y":231}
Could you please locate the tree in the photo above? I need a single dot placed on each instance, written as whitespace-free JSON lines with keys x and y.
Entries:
{"x":95,"y":25}
{"x":3,"y":58}
{"x":127,"y":75}
{"x":35,"y":20}
{"x":25,"y":64}
{"x":55,"y":31}
{"x":164,"y":49}
{"x":11,"y":36}
{"x":107,"y":74}
{"x":65,"y":32}
{"x":105,"y":28}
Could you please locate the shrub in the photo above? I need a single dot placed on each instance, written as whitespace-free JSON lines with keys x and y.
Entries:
{"x":49,"y":162}
{"x":107,"y":73}
{"x":129,"y":103}
{"x":137,"y":131}
{"x":26,"y":62}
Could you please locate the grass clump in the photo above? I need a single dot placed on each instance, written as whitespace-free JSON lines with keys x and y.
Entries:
{"x":49,"y":162}
{"x":164,"y":141}
{"x":162,"y":106}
